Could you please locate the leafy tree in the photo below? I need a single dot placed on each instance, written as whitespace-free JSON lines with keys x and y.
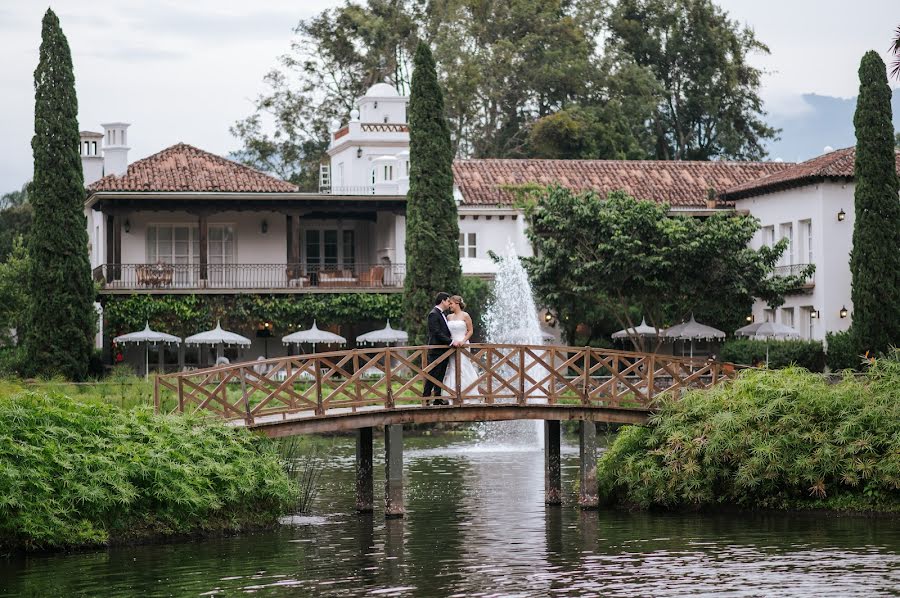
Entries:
{"x":711,"y":105}
{"x":61,"y":318}
{"x":14,"y":199}
{"x":895,"y":50}
{"x":875,"y":258}
{"x":13,"y":294}
{"x":432,"y":225}
{"x":632,"y":259}
{"x":336,"y":56}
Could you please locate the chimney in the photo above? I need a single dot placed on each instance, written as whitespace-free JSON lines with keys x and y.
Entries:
{"x":711,"y":202}
{"x":91,"y":161}
{"x":115,"y":148}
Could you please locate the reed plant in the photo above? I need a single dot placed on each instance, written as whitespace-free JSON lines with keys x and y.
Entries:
{"x":303,"y":465}
{"x":77,"y":472}
{"x":785,"y":439}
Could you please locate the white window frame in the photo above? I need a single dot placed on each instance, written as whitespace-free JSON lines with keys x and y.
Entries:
{"x":468,"y":245}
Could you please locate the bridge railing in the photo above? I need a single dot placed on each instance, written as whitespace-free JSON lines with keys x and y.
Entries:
{"x":337,"y":382}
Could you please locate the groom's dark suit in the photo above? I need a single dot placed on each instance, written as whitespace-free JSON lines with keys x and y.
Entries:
{"x":438,"y":334}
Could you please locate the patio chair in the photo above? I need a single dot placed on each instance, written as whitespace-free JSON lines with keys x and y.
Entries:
{"x":373,"y":278}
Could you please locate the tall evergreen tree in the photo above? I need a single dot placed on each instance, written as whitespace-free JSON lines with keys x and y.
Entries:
{"x":432,"y":228}
{"x":61,"y":316}
{"x":875,"y":259}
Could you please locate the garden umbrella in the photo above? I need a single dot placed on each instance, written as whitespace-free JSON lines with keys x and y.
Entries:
{"x":147,"y":337}
{"x":384,"y":335}
{"x":692,"y":331}
{"x":314,"y":336}
{"x":219,"y":338}
{"x":749,"y":330}
{"x":776,"y":331}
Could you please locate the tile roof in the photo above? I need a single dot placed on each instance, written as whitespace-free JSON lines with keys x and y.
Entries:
{"x":186,"y":168}
{"x":838,"y":164}
{"x":681,"y":184}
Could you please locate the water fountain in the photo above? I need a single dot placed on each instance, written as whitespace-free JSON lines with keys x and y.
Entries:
{"x":511,"y":318}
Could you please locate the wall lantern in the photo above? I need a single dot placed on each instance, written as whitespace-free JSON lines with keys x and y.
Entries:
{"x":549,"y":319}
{"x":841,"y":215}
{"x":750,"y":318}
{"x":844,"y":312}
{"x":264,"y":226}
{"x":814,"y":314}
{"x":127,"y":226}
{"x":359,"y":152}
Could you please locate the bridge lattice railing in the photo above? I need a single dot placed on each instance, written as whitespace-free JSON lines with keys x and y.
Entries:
{"x":336,"y":382}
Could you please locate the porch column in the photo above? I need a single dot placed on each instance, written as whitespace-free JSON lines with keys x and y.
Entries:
{"x":203,"y":224}
{"x":552,"y":475}
{"x":113,"y":246}
{"x":393,"y":471}
{"x":588,"y":493}
{"x":365,"y":494}
{"x":293,"y":245}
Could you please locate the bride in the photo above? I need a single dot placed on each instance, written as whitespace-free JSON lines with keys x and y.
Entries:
{"x":460,"y":324}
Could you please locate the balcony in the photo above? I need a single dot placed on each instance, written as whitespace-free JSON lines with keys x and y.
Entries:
{"x":796,"y":270}
{"x":226,"y":278}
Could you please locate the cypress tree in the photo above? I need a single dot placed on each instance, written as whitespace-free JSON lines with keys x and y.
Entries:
{"x":875,"y":259}
{"x":432,"y":228}
{"x":61,"y":319}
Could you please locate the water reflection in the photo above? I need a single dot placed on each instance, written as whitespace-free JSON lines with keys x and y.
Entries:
{"x":476,"y":525}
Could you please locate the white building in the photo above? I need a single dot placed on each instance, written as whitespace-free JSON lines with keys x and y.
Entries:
{"x":812,"y":206}
{"x":184,"y":221}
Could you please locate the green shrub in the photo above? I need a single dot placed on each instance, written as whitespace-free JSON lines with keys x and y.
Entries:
{"x":81,"y":472}
{"x":843,"y":351}
{"x":12,"y":362}
{"x":770,"y":439}
{"x":806,"y":354}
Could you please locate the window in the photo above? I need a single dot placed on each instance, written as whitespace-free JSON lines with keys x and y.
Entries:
{"x":329,"y":249}
{"x":388,"y":172}
{"x":340,"y":175}
{"x":787,"y":232}
{"x":806,"y":242}
{"x":769,"y":315}
{"x":768,"y":236}
{"x":179,"y":244}
{"x":787,"y":316}
{"x":806,"y":323}
{"x":467,"y":245}
{"x":325,"y":175}
{"x":220,"y":254}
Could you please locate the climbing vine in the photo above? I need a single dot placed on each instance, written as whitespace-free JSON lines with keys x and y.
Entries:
{"x":184,"y":315}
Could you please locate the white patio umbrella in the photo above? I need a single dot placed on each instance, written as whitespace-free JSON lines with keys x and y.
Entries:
{"x":148,"y":337}
{"x":314,"y":336}
{"x":218,"y":337}
{"x":774,"y":331}
{"x":643,"y":330}
{"x":692,"y":330}
{"x":749,"y":330}
{"x":385,"y":335}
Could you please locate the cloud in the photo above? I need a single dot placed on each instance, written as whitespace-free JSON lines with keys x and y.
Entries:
{"x":134,"y":54}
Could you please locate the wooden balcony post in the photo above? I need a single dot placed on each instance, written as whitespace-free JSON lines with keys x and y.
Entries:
{"x":203,"y":225}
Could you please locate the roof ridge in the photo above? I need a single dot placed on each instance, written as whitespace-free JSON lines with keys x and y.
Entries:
{"x":730,"y":163}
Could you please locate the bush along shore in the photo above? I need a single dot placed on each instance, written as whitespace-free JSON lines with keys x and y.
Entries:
{"x":772,"y":439}
{"x":85,"y":473}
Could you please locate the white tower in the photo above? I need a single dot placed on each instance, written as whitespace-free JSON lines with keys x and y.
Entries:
{"x":115,"y":148}
{"x":364,"y":152}
{"x":91,"y":161}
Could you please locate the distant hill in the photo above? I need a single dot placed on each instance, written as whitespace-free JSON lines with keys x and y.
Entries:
{"x":828,"y":121}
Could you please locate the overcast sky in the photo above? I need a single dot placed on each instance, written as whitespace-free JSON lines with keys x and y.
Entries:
{"x":185,"y":70}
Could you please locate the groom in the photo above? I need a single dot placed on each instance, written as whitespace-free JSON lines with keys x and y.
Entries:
{"x":438,"y":334}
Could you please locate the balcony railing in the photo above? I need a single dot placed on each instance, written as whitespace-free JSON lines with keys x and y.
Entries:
{"x":796,"y":270}
{"x":230,"y":277}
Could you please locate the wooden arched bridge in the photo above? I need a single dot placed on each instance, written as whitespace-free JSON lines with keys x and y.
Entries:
{"x":361,"y":388}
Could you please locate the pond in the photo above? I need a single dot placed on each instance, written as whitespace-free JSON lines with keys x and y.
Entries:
{"x":476,"y":525}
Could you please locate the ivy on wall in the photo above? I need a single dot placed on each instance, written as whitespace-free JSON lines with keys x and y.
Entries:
{"x":184,"y":315}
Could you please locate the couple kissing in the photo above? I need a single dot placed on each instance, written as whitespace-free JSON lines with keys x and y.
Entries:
{"x":450,"y":326}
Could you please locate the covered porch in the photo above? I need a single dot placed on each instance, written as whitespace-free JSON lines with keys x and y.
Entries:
{"x":284,"y":242}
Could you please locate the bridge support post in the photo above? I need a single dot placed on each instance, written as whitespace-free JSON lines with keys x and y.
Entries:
{"x":393,"y":471}
{"x":552,"y":475}
{"x":588,"y":493}
{"x":365,"y":494}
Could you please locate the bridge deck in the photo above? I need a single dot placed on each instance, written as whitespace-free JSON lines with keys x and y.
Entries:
{"x":358,"y":388}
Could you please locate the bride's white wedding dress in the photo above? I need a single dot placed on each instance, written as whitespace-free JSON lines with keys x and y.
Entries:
{"x":469,"y":375}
